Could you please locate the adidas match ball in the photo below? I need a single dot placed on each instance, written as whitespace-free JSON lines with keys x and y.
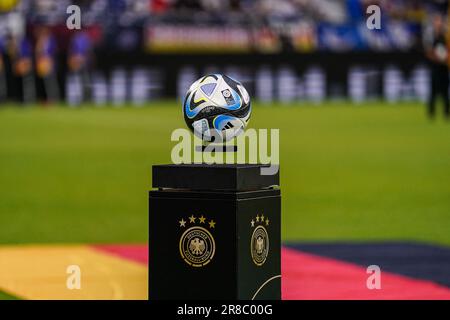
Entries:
{"x":216,"y":108}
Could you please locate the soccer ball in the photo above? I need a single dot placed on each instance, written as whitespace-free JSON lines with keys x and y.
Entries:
{"x":217,"y":108}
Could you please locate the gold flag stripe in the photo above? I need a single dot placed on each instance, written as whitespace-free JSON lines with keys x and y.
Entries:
{"x":40,"y":272}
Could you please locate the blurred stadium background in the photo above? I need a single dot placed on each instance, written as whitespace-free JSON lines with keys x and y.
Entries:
{"x":85,"y":113}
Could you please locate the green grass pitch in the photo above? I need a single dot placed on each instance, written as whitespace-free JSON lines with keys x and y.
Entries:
{"x":6,"y":296}
{"x":368,"y":172}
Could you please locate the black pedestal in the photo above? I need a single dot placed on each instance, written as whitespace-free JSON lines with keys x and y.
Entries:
{"x":214,"y":233}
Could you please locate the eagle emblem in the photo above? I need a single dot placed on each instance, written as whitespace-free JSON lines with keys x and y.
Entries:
{"x":259,"y":245}
{"x":197,"y":246}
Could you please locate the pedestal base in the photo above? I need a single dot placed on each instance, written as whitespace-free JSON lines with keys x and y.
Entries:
{"x":210,"y":244}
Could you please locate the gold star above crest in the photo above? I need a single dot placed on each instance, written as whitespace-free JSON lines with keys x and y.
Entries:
{"x":267,"y":221}
{"x":192,"y":219}
{"x":212,"y":224}
{"x":202,"y":219}
{"x":257,"y":218}
{"x":262,"y":218}
{"x":252,"y":223}
{"x":182,"y":223}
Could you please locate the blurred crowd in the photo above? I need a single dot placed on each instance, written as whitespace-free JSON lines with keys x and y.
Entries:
{"x":264,"y":25}
{"x":38,"y":52}
{"x":336,"y":11}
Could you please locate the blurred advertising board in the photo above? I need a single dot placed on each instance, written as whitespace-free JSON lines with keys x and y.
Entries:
{"x":177,"y":38}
